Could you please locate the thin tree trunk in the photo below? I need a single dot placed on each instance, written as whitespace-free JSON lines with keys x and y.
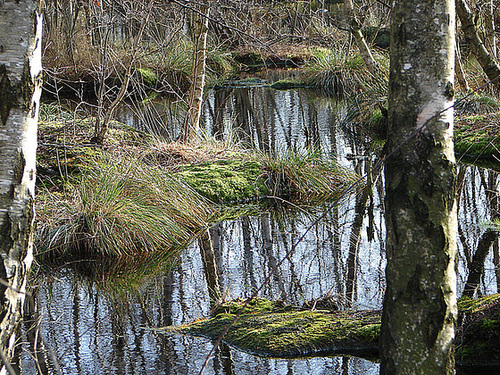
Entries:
{"x":487,"y":62}
{"x":20,"y":89}
{"x":200,"y":31}
{"x":419,"y":308}
{"x":355,"y":28}
{"x":490,"y":28}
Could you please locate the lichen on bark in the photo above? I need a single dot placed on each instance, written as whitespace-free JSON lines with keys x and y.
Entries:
{"x":419,"y":305}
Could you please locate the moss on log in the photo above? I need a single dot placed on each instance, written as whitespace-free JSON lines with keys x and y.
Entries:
{"x":272,"y":329}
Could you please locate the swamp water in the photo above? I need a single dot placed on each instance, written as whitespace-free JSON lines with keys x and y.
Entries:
{"x":93,"y":323}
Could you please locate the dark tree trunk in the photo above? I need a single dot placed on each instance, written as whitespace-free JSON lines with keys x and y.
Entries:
{"x":420,"y":301}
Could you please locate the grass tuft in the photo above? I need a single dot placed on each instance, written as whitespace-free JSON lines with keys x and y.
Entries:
{"x":305,"y":177}
{"x":124,"y":208}
{"x":341,"y":73}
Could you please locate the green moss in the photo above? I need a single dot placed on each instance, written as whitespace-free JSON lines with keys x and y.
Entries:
{"x":225,"y":180}
{"x":477,"y":135}
{"x":149,"y":77}
{"x":370,"y":331}
{"x":478,"y":333}
{"x":256,"y":305}
{"x":294,"y":333}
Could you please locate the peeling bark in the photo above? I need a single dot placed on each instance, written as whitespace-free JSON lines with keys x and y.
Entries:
{"x":20,"y":73}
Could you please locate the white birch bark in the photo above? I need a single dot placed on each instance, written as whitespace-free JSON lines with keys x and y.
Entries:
{"x":419,"y":311}
{"x":20,"y":88}
{"x":195,"y":101}
{"x":355,"y":27}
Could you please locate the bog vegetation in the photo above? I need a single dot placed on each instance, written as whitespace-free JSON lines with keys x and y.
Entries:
{"x":124,"y":197}
{"x":111,"y":190}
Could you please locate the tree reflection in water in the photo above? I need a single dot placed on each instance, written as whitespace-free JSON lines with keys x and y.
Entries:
{"x":93,"y":327}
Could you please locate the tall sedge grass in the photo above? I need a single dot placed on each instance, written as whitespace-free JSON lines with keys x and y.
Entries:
{"x":343,"y":72}
{"x":124,"y":208}
{"x":306,"y":177}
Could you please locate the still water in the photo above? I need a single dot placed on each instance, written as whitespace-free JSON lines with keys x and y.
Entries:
{"x":102,"y":324}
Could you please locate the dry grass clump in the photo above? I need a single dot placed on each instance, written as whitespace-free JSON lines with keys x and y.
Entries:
{"x":123,"y":208}
{"x":171,"y":154}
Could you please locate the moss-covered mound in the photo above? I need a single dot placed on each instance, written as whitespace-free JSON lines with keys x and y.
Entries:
{"x":478,"y":135}
{"x":272,"y":329}
{"x":478,"y":331}
{"x":302,"y":179}
{"x":226,"y":181}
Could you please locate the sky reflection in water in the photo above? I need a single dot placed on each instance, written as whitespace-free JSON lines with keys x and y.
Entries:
{"x":91,"y":331}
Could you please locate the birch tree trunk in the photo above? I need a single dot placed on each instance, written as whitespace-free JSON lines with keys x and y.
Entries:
{"x":199,"y":32}
{"x":355,"y":29}
{"x":490,"y":28}
{"x":20,"y":88}
{"x":487,"y":62}
{"x":420,"y":302}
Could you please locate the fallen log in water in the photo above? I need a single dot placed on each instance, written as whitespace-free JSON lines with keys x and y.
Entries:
{"x":272,"y":329}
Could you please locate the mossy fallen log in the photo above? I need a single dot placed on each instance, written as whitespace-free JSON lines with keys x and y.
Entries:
{"x":272,"y":329}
